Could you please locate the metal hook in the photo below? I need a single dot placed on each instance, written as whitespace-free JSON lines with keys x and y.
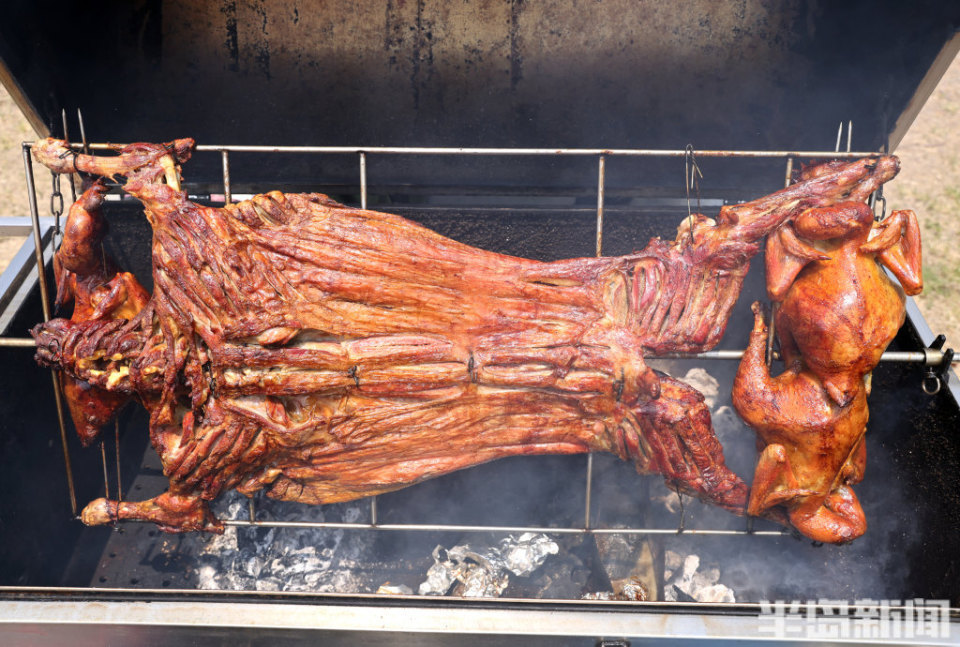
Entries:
{"x":683,"y":512}
{"x":56,"y":207}
{"x":930,"y":384}
{"x":883,"y":210}
{"x":691,"y":171}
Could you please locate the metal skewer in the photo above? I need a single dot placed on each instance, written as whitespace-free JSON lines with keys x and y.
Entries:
{"x":45,"y":303}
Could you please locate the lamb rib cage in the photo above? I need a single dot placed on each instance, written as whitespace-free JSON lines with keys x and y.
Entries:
{"x":601,"y":154}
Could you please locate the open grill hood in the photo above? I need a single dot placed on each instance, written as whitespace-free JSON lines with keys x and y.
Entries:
{"x":613,"y":74}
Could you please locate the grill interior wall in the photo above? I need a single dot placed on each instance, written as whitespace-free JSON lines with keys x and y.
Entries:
{"x":757,"y":75}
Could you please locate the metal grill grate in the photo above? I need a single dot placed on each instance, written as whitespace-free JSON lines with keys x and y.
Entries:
{"x":929,"y":357}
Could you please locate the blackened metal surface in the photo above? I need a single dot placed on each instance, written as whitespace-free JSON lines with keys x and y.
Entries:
{"x":41,"y":542}
{"x":619,"y":73}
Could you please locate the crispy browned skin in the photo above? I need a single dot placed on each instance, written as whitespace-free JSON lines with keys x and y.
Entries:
{"x":99,"y":292}
{"x":838,"y":312}
{"x":328,"y":353}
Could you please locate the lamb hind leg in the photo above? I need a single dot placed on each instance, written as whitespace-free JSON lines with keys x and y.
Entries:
{"x":678,"y":429}
{"x":171,"y":511}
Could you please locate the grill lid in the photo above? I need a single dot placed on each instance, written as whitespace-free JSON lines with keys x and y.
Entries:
{"x":657,"y":75}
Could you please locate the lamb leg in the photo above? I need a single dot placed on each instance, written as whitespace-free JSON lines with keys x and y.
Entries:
{"x":172,"y":511}
{"x":683,"y":447}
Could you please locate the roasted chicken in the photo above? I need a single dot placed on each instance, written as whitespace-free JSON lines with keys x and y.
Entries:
{"x":327,"y":353}
{"x":88,"y":277}
{"x":836,"y":312}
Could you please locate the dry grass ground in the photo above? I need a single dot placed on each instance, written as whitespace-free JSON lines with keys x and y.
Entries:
{"x":13,"y":197}
{"x":928,"y":184}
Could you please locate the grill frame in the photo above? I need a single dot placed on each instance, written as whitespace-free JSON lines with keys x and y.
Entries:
{"x":932,"y":358}
{"x":56,"y":614}
{"x":58,"y":609}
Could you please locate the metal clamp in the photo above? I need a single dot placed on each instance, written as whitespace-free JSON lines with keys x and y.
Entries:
{"x":938,"y":363}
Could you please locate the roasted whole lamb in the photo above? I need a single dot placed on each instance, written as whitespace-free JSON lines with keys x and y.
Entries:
{"x":836,"y":312}
{"x":327,"y":353}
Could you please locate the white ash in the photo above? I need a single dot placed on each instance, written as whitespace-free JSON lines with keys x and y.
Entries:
{"x":394,"y":589}
{"x":484,"y":571}
{"x":705,"y":383}
{"x":524,"y":554}
{"x":670,"y":501}
{"x":306,"y":559}
{"x":683,"y":573}
{"x":598,"y":595}
{"x":630,"y":592}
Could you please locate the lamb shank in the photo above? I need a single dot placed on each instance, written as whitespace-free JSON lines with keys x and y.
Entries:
{"x":327,"y":353}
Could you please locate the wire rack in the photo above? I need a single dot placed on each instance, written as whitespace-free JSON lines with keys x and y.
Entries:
{"x":927,"y":357}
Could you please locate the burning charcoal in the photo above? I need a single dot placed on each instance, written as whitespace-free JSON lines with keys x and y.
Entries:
{"x":265,"y":559}
{"x":561,"y":578}
{"x":628,"y":562}
{"x":626,"y":556}
{"x":253,"y":566}
{"x":206,"y":578}
{"x":633,"y":591}
{"x":268,"y":585}
{"x":629,"y":590}
{"x":597,"y":595}
{"x":715,"y":593}
{"x":618,"y":554}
